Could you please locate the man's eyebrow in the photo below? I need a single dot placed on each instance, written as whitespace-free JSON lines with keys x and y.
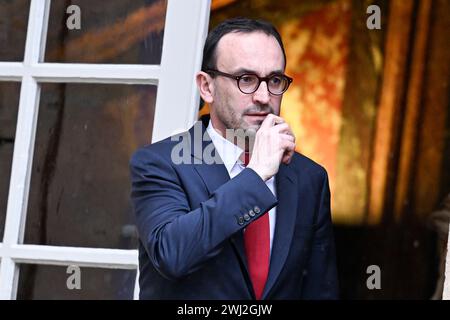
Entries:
{"x":244,"y":70}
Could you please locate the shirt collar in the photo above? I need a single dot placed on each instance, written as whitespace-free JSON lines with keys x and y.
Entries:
{"x":228,"y":152}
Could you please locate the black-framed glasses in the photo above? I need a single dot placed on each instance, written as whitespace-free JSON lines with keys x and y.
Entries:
{"x":248,"y":83}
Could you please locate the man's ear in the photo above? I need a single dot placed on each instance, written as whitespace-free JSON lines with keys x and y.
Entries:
{"x":205,"y":86}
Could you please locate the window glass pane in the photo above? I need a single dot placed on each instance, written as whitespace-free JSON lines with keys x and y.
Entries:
{"x":119,"y":31}
{"x":62,"y":283}
{"x":80,"y":186}
{"x":13,"y":29}
{"x":9,"y":103}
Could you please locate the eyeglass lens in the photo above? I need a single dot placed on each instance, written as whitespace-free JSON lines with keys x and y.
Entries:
{"x":277,"y":84}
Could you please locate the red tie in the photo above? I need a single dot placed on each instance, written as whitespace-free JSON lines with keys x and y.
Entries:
{"x":257,"y":249}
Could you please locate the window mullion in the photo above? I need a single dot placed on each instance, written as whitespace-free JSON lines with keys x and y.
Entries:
{"x":22,"y":161}
{"x":23,"y":146}
{"x":87,"y":257}
{"x":11,"y":71}
{"x":36,"y":31}
{"x":96,"y":73}
{"x":8,"y":279}
{"x":177,"y":99}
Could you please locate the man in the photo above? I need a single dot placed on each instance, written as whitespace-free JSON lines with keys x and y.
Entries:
{"x":235,"y":229}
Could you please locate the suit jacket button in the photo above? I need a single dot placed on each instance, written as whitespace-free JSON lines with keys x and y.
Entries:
{"x":257,"y":209}
{"x":240,"y":221}
{"x":246,"y":217}
{"x":251,"y":213}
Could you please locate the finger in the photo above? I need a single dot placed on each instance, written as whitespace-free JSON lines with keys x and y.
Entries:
{"x":289,"y":132}
{"x":291,"y":146}
{"x":268,"y":122}
{"x":287,"y":160}
{"x":287,"y":145}
{"x":278,"y":120}
{"x":287,"y":157}
{"x":287,"y":137}
{"x":285,"y":128}
{"x":282,"y":127}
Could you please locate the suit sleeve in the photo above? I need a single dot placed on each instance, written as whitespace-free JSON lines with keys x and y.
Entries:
{"x":178,"y":239}
{"x":320,"y":277}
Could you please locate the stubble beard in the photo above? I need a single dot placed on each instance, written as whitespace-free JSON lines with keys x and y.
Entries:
{"x":236,"y":122}
{"x":237,"y":130}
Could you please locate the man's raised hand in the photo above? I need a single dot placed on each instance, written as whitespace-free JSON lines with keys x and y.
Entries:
{"x":274,"y":143}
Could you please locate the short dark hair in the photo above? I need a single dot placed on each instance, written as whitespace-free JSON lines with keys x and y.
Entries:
{"x":239,"y":24}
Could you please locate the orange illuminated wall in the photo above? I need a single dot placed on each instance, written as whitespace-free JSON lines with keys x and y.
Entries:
{"x":316,"y":45}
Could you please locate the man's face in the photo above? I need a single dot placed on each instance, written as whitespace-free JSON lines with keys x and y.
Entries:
{"x":239,"y":53}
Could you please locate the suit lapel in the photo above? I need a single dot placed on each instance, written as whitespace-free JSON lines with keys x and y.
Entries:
{"x":287,"y":194}
{"x":214,"y":175}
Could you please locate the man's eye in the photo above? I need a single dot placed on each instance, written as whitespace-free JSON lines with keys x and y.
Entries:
{"x":276,"y":80}
{"x":247,"y":79}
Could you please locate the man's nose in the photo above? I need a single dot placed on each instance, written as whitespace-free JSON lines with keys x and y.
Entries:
{"x":262,"y":95}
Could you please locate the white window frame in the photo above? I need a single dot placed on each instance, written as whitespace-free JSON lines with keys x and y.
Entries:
{"x":176,"y":108}
{"x":446,"y":293}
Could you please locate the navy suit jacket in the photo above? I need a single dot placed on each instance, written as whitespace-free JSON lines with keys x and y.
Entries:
{"x":191,"y":216}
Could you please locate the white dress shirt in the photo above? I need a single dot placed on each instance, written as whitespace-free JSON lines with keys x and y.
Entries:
{"x":230,"y":153}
